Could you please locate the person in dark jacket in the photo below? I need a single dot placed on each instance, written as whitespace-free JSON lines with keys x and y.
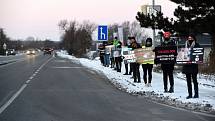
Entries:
{"x":168,"y":68}
{"x":147,"y":67}
{"x":135,"y":66}
{"x":101,"y":53}
{"x":191,"y":70}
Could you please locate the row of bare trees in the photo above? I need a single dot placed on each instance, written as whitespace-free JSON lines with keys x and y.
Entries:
{"x":129,"y":29}
{"x":76,"y":37}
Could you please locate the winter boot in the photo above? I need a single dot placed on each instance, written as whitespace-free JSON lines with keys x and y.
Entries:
{"x":171,"y":90}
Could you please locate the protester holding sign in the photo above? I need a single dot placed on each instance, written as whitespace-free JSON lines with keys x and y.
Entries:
{"x":168,"y":67}
{"x":191,"y":70}
{"x":107,"y":54}
{"x":119,"y":58}
{"x":117,"y":54}
{"x":128,"y":45}
{"x":147,"y":67}
{"x":135,"y":66}
{"x":101,"y":53}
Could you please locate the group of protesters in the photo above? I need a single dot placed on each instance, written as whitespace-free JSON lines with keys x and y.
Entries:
{"x":115,"y":62}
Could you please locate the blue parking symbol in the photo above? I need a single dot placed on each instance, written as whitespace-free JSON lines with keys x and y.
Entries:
{"x":102,"y":33}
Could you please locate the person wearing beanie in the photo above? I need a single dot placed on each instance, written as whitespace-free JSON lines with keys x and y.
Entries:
{"x":168,"y":68}
{"x":147,"y":67}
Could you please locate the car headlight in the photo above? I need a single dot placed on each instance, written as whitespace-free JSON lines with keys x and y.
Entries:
{"x":28,"y":52}
{"x":33,"y":51}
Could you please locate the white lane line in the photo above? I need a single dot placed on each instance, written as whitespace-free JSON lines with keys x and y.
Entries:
{"x":8,"y":103}
{"x":177,"y":108}
{"x":31,"y":77}
{"x":19,"y":60}
{"x":28,"y":81}
{"x":66,"y":67}
{"x":12,"y":98}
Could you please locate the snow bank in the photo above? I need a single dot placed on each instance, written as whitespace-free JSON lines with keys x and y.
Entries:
{"x":206,"y":102}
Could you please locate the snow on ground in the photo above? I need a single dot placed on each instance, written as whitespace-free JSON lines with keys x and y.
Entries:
{"x":206,"y":101}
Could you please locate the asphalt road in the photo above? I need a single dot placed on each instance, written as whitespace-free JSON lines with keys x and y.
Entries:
{"x":46,"y":88}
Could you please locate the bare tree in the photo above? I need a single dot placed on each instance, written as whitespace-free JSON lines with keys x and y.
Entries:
{"x":76,"y":38}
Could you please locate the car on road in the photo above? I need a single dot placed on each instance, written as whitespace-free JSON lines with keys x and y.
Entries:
{"x":47,"y":51}
{"x":11,"y":52}
{"x":31,"y":52}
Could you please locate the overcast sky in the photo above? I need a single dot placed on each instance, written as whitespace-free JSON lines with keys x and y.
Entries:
{"x":39,"y":18}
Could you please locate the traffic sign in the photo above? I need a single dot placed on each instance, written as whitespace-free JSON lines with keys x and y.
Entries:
{"x":102,"y":33}
{"x":150,"y":9}
{"x":4,"y":46}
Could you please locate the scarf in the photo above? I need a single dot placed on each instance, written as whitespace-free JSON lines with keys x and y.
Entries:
{"x":188,"y":45}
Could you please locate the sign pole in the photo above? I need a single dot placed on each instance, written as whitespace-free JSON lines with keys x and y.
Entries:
{"x":153,"y":6}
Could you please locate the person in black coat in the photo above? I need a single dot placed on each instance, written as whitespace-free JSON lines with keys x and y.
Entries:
{"x":191,"y":70}
{"x":135,"y":66}
{"x":168,"y":68}
{"x":118,"y":60}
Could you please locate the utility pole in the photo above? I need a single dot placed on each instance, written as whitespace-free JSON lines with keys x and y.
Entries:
{"x":153,"y":7}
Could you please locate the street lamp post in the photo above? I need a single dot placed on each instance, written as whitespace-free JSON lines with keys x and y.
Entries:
{"x":153,"y":7}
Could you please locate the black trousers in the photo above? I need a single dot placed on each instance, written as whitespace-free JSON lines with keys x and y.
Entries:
{"x":189,"y":84}
{"x":168,"y":74}
{"x":102,"y":59}
{"x":136,"y":72}
{"x":126,"y":68}
{"x":118,"y":64}
{"x":112,"y":62}
{"x":147,"y":70}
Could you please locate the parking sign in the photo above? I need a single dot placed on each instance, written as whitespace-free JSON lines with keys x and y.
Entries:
{"x":102,"y":33}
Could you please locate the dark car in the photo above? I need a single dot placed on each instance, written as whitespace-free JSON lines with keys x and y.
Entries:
{"x":47,"y":51}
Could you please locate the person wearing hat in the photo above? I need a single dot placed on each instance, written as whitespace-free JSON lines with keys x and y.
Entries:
{"x":168,"y":68}
{"x":147,"y":67}
{"x":135,"y":66}
{"x":191,"y":70}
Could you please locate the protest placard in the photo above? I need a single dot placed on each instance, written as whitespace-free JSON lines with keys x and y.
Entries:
{"x":187,"y":55}
{"x":144,"y":55}
{"x":165,"y":55}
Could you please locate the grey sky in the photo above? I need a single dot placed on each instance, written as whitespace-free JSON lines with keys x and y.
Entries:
{"x":39,"y":18}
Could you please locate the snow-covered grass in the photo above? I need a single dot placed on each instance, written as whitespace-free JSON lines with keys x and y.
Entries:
{"x":206,"y":101}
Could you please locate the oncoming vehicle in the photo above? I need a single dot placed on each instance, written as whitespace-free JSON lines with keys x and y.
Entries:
{"x":11,"y":52}
{"x":31,"y":52}
{"x":47,"y":51}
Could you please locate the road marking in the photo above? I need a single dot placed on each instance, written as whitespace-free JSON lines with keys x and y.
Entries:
{"x":10,"y":63}
{"x":16,"y":60}
{"x":12,"y":98}
{"x":28,"y":81}
{"x":9,"y":102}
{"x":31,"y":77}
{"x":177,"y":108}
{"x":66,"y":67}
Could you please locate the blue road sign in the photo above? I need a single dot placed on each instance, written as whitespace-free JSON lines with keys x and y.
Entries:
{"x":102,"y":33}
